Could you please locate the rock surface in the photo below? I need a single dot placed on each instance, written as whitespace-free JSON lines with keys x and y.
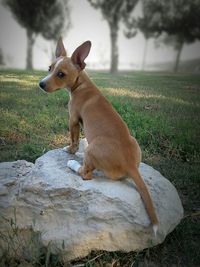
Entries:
{"x":79,"y":216}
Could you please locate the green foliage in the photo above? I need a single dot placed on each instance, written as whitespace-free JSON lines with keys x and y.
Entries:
{"x":32,"y":121}
{"x":18,"y":242}
{"x":180,"y":18}
{"x":115,"y":10}
{"x":60,"y":21}
{"x":143,"y":24}
{"x":35,"y":16}
{"x":24,"y":247}
{"x":161,"y":110}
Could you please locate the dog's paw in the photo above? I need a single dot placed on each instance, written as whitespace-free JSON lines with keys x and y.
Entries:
{"x":73,"y":165}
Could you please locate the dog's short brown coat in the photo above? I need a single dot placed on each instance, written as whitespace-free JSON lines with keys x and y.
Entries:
{"x":111,"y":148}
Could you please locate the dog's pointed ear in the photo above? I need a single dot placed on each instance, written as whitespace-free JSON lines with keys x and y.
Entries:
{"x":80,"y":54}
{"x":60,"y":49}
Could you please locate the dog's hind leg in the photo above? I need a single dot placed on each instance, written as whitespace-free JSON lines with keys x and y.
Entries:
{"x":84,"y":171}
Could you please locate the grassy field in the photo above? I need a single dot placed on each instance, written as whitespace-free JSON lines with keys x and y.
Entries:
{"x":162,"y":110}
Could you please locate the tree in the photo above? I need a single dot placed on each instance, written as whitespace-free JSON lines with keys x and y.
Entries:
{"x":173,"y":41}
{"x":114,"y":11}
{"x":36,"y":17}
{"x":177,"y":18}
{"x":59,"y":25}
{"x":1,"y":58}
{"x":141,"y":24}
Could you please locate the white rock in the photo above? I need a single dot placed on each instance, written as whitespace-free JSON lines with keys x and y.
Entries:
{"x":79,"y":216}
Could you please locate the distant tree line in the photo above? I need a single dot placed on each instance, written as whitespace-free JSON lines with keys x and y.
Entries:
{"x":175,"y":22}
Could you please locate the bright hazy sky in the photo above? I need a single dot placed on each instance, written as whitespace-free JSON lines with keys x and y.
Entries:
{"x":87,"y":24}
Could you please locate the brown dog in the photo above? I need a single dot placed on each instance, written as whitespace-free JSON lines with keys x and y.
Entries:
{"x":111,"y":148}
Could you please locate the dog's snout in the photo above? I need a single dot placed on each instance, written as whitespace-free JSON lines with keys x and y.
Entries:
{"x":42,"y":85}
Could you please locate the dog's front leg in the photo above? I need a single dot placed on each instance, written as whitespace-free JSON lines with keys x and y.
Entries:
{"x":74,"y":129}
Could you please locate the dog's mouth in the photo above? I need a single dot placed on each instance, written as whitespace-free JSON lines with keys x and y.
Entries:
{"x":48,"y":90}
{"x":45,"y":88}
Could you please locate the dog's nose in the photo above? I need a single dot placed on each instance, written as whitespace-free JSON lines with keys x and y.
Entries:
{"x":42,"y":85}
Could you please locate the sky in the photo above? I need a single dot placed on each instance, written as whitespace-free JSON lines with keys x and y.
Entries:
{"x":87,"y":24}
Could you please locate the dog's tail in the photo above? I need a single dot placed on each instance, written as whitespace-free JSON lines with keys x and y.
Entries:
{"x":144,"y":192}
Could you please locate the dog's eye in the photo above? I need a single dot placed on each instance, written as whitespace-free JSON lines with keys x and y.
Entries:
{"x":60,"y":74}
{"x":49,"y":69}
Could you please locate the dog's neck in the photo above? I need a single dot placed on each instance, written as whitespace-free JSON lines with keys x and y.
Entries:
{"x":76,"y":85}
{"x":82,"y":81}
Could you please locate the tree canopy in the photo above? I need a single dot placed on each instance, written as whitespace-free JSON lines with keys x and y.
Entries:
{"x":175,"y":17}
{"x":59,"y":22}
{"x":177,"y":20}
{"x":39,"y":17}
{"x":114,"y":12}
{"x":32,"y":14}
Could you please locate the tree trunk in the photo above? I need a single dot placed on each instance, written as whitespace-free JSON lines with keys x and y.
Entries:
{"x":178,"y":56}
{"x":114,"y":47}
{"x":144,"y":54}
{"x":29,"y":55}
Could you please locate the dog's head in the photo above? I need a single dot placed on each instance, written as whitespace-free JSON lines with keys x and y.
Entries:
{"x":63,"y":72}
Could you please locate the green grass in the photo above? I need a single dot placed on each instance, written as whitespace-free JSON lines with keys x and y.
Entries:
{"x":162,"y":110}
